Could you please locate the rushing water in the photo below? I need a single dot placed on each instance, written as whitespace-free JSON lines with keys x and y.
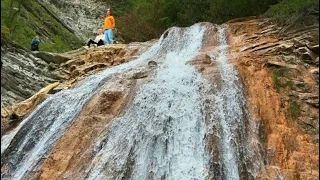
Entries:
{"x":165,"y":130}
{"x":229,"y":112}
{"x":26,"y":147}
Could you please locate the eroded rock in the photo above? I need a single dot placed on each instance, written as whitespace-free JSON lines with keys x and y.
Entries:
{"x":51,"y":57}
{"x":290,"y":151}
{"x":11,"y":116}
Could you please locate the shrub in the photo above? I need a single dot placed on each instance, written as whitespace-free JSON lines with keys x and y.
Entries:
{"x":287,"y":8}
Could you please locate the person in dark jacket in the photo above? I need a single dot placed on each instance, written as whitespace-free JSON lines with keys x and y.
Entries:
{"x":35,"y":44}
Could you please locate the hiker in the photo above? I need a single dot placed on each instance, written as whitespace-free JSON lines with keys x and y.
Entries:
{"x":35,"y":43}
{"x":99,"y":41}
{"x":109,"y":26}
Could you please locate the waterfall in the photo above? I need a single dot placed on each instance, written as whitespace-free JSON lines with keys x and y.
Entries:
{"x":165,"y":131}
{"x":25,"y":148}
{"x":232,"y":121}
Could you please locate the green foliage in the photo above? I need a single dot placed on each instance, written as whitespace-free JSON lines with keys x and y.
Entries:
{"x":276,"y":82}
{"x":24,"y":19}
{"x":188,"y":12}
{"x":5,"y":31}
{"x":291,"y":85}
{"x":279,"y":77}
{"x":294,"y":110}
{"x":154,"y":16}
{"x":57,"y":46}
{"x":137,"y":20}
{"x":131,"y":29}
{"x":287,"y":8}
{"x":159,"y":15}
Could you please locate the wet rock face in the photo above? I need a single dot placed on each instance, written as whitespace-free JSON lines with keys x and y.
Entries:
{"x":157,"y":111}
{"x":81,"y":16}
{"x":280,"y":73}
{"x":29,"y":77}
{"x":130,"y":119}
{"x":105,"y":106}
{"x":160,"y":103}
{"x":23,"y":74}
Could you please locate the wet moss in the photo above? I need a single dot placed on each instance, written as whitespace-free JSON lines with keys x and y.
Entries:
{"x":280,"y":79}
{"x":294,"y":110}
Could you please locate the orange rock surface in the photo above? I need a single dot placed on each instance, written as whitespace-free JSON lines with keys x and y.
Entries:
{"x":290,"y":150}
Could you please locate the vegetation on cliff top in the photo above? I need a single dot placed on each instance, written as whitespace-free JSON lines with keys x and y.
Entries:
{"x":288,"y":8}
{"x":21,"y":20}
{"x":138,"y":20}
{"x":154,"y":16}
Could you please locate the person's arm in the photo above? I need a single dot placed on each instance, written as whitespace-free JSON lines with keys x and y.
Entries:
{"x":113,"y":23}
{"x":105,"y":24}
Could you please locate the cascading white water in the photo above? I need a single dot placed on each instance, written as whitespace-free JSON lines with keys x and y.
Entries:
{"x":34,"y":138}
{"x":162,"y":133}
{"x":227,"y":108}
{"x":229,"y":112}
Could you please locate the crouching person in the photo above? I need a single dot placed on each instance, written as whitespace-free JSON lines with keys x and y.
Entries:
{"x":99,"y":41}
{"x":35,"y":44}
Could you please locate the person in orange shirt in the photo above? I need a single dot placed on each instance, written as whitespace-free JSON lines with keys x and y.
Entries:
{"x":109,"y":26}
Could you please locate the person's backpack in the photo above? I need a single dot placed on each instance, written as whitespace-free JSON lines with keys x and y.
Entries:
{"x":34,"y":44}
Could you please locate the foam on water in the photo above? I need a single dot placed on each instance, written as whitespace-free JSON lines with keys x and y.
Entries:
{"x":34,"y":138}
{"x":228,"y":108}
{"x":230,"y":114}
{"x":162,"y":133}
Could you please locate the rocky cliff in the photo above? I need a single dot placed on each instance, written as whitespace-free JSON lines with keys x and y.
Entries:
{"x":28,"y":77}
{"x":280,"y":70}
{"x":22,"y":20}
{"x":236,"y":101}
{"x":23,"y":73}
{"x":84,"y":17}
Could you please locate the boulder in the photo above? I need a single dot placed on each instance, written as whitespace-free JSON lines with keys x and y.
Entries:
{"x":307,"y":55}
{"x":11,"y":116}
{"x":281,"y":64}
{"x":152,"y":64}
{"x":51,"y":57}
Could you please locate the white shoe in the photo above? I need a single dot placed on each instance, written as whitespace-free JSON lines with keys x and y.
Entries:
{"x":86,"y":47}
